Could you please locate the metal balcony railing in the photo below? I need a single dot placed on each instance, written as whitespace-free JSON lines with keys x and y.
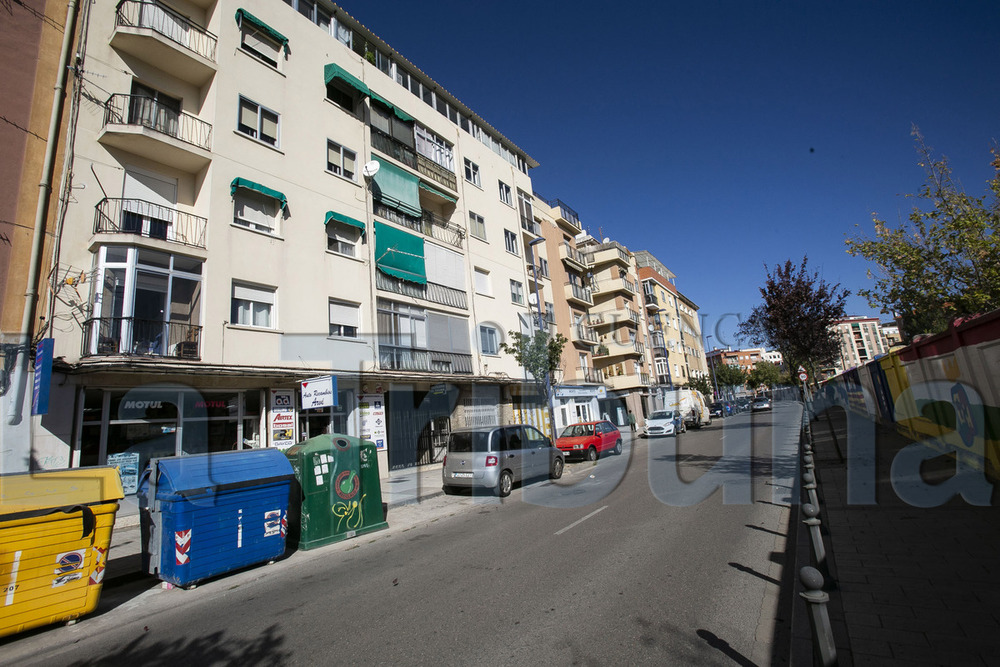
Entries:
{"x":165,"y":21}
{"x":143,"y":218}
{"x":530,"y":226}
{"x":581,"y":293}
{"x":432,"y":169}
{"x":581,"y":258}
{"x":589,"y":374}
{"x":446,"y":296}
{"x":428,"y":224}
{"x":105,"y":336}
{"x":584,"y":333}
{"x":122,"y":109}
{"x":396,"y":358}
{"x":394,"y":148}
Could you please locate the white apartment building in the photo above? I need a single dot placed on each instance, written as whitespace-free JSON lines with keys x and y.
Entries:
{"x":266,"y":193}
{"x":861,"y":340}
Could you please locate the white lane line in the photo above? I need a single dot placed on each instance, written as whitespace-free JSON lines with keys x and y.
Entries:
{"x":579,"y":521}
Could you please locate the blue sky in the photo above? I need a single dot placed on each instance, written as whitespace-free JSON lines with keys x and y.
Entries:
{"x":721,"y":135}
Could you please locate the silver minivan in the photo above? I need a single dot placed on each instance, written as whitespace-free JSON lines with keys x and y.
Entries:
{"x":497,"y":457}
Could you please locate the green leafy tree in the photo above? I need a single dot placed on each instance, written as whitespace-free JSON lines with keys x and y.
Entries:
{"x":539,"y":354}
{"x":943,"y":261}
{"x":729,"y":376}
{"x":702,"y":384}
{"x":796,"y":316}
{"x":764,"y":374}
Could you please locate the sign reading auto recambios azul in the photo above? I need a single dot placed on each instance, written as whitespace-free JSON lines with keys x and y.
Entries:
{"x":319,"y":392}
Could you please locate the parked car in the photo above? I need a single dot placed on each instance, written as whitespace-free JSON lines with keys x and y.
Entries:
{"x":664,"y":422}
{"x":760,"y":403}
{"x":590,"y":439}
{"x":716,"y":410}
{"x":497,"y":457}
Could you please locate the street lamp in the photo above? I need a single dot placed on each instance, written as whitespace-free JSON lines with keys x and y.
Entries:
{"x":538,"y":305}
{"x":715,"y":380}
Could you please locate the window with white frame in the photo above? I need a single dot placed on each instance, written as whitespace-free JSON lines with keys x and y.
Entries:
{"x":434,"y":148}
{"x":256,"y":211}
{"x":510,"y":242}
{"x":255,"y":42}
{"x":482,"y":278}
{"x":401,"y":325}
{"x":489,"y":339}
{"x":343,"y":319}
{"x":477,"y":225}
{"x":516,"y":292}
{"x":253,"y":306}
{"x":472,"y":172}
{"x":258,"y":122}
{"x":342,"y":239}
{"x":340,"y":161}
{"x":505,"y":194}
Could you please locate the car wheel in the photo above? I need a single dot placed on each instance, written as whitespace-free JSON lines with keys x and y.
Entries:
{"x":505,"y":484}
{"x":557,"y":469}
{"x":591,"y":454}
{"x":618,"y":448}
{"x":449,"y":490}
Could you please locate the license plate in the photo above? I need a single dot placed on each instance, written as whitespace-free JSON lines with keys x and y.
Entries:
{"x":461,"y":474}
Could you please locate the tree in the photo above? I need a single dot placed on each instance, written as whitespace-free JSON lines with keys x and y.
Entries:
{"x":538,"y":354}
{"x":943,"y":262}
{"x":797,"y":314}
{"x":702,"y":384}
{"x":728,"y":376}
{"x":764,"y":373}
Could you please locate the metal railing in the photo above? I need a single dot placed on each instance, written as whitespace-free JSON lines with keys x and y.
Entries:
{"x":582,"y":258}
{"x":530,"y":226}
{"x":428,"y":167}
{"x":107,"y":336}
{"x":588,"y":374}
{"x":165,"y":21}
{"x":122,"y":109}
{"x":396,"y":358}
{"x":446,"y":296}
{"x":581,"y":293}
{"x":143,"y":218}
{"x":584,"y":333}
{"x":394,"y":148}
{"x":650,"y":299}
{"x":428,"y":224}
{"x":451,"y":362}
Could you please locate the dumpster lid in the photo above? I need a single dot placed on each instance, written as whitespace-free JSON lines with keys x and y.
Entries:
{"x":45,"y":489}
{"x":201,"y":473}
{"x":324,"y":443}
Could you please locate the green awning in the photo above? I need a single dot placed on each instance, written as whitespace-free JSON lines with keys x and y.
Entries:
{"x":434,"y":190}
{"x":244,"y":15}
{"x":331,"y":72}
{"x":397,"y":188}
{"x":399,"y":254}
{"x":340,"y":217}
{"x":257,"y":187}
{"x":391,"y":107}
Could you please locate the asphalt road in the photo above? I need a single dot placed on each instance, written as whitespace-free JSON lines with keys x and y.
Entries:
{"x":637,"y":559}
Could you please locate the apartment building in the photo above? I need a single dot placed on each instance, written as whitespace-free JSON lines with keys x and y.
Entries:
{"x":860,"y":340}
{"x":265,"y":193}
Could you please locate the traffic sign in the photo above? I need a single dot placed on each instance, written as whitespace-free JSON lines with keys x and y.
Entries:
{"x":803,"y":376}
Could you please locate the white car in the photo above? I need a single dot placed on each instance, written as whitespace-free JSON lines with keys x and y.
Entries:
{"x":663,"y":422}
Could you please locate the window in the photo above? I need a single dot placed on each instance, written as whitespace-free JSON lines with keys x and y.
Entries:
{"x":343,"y":319}
{"x":482,"y":277}
{"x":252,"y":306}
{"x":258,"y":122}
{"x":477,"y":225}
{"x":543,"y":267}
{"x":524,"y":208}
{"x":342,"y":95}
{"x":516,"y":292}
{"x":489,"y":339}
{"x":255,"y":210}
{"x":255,"y":42}
{"x":510,"y":242}
{"x":505,"y":195}
{"x":472,"y":172}
{"x":341,"y":238}
{"x":402,"y":325}
{"x":340,"y":161}
{"x":386,"y":122}
{"x":434,"y":148}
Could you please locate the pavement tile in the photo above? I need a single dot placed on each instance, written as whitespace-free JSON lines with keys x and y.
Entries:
{"x":871,"y":647}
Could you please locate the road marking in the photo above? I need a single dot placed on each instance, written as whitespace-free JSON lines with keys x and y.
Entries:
{"x":579,"y":521}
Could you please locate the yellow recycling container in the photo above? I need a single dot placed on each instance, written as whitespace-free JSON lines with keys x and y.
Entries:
{"x":55,"y":531}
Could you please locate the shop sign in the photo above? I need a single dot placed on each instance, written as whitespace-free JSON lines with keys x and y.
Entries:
{"x":282,"y":418}
{"x":373,"y":426}
{"x":319,"y":392}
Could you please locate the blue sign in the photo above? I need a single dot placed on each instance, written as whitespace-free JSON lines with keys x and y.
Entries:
{"x":43,"y":377}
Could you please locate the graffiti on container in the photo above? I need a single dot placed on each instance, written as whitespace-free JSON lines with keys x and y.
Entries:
{"x":350,"y":514}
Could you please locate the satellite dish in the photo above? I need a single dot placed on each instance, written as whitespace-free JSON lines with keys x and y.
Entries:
{"x":606,"y":239}
{"x":370,"y":168}
{"x":651,"y":327}
{"x":532,"y":299}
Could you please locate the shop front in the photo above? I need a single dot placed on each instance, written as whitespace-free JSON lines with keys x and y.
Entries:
{"x":577,"y":403}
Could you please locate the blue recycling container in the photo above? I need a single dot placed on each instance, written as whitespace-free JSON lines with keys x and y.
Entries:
{"x":208,"y":514}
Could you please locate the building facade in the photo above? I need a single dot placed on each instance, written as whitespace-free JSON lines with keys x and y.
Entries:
{"x":860,"y":340}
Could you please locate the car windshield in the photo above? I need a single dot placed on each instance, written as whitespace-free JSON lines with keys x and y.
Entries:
{"x":577,"y":431}
{"x":662,"y":414}
{"x":470,"y":441}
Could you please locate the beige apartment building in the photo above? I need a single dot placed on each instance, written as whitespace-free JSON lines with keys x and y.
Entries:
{"x":265,"y":193}
{"x":861,"y":340}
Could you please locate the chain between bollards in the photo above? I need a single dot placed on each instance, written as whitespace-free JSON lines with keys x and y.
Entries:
{"x":824,"y":647}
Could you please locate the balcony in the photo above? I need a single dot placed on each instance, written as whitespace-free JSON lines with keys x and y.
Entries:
{"x":394,"y":148}
{"x":583,"y":334}
{"x":435,"y":171}
{"x":612,"y":252}
{"x":142,"y":218}
{"x":612,"y":285}
{"x":428,"y":224}
{"x":586,"y":374}
{"x":579,"y":295}
{"x":158,"y":35}
{"x":531,"y":226}
{"x":396,"y":358}
{"x":573,"y":258}
{"x":145,"y":127}
{"x":627,"y":381}
{"x":565,"y":215}
{"x":651,"y":301}
{"x":612,"y":348}
{"x":130,"y":336}
{"x":610,"y":318}
{"x":446,"y":296}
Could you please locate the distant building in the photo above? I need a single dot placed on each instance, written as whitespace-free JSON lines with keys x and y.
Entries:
{"x":860,"y":341}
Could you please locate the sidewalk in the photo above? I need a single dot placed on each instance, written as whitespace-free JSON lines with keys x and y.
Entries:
{"x":402,"y":487}
{"x":911,"y":585}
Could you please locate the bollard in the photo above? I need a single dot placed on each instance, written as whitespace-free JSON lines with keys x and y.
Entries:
{"x":809,"y":484}
{"x":811,"y":513}
{"x":824,"y":647}
{"x":807,"y":462}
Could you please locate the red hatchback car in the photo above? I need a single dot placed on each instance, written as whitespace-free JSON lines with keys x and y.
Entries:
{"x":589,"y":439}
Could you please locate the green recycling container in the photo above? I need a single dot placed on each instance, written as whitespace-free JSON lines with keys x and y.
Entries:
{"x":338,"y":495}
